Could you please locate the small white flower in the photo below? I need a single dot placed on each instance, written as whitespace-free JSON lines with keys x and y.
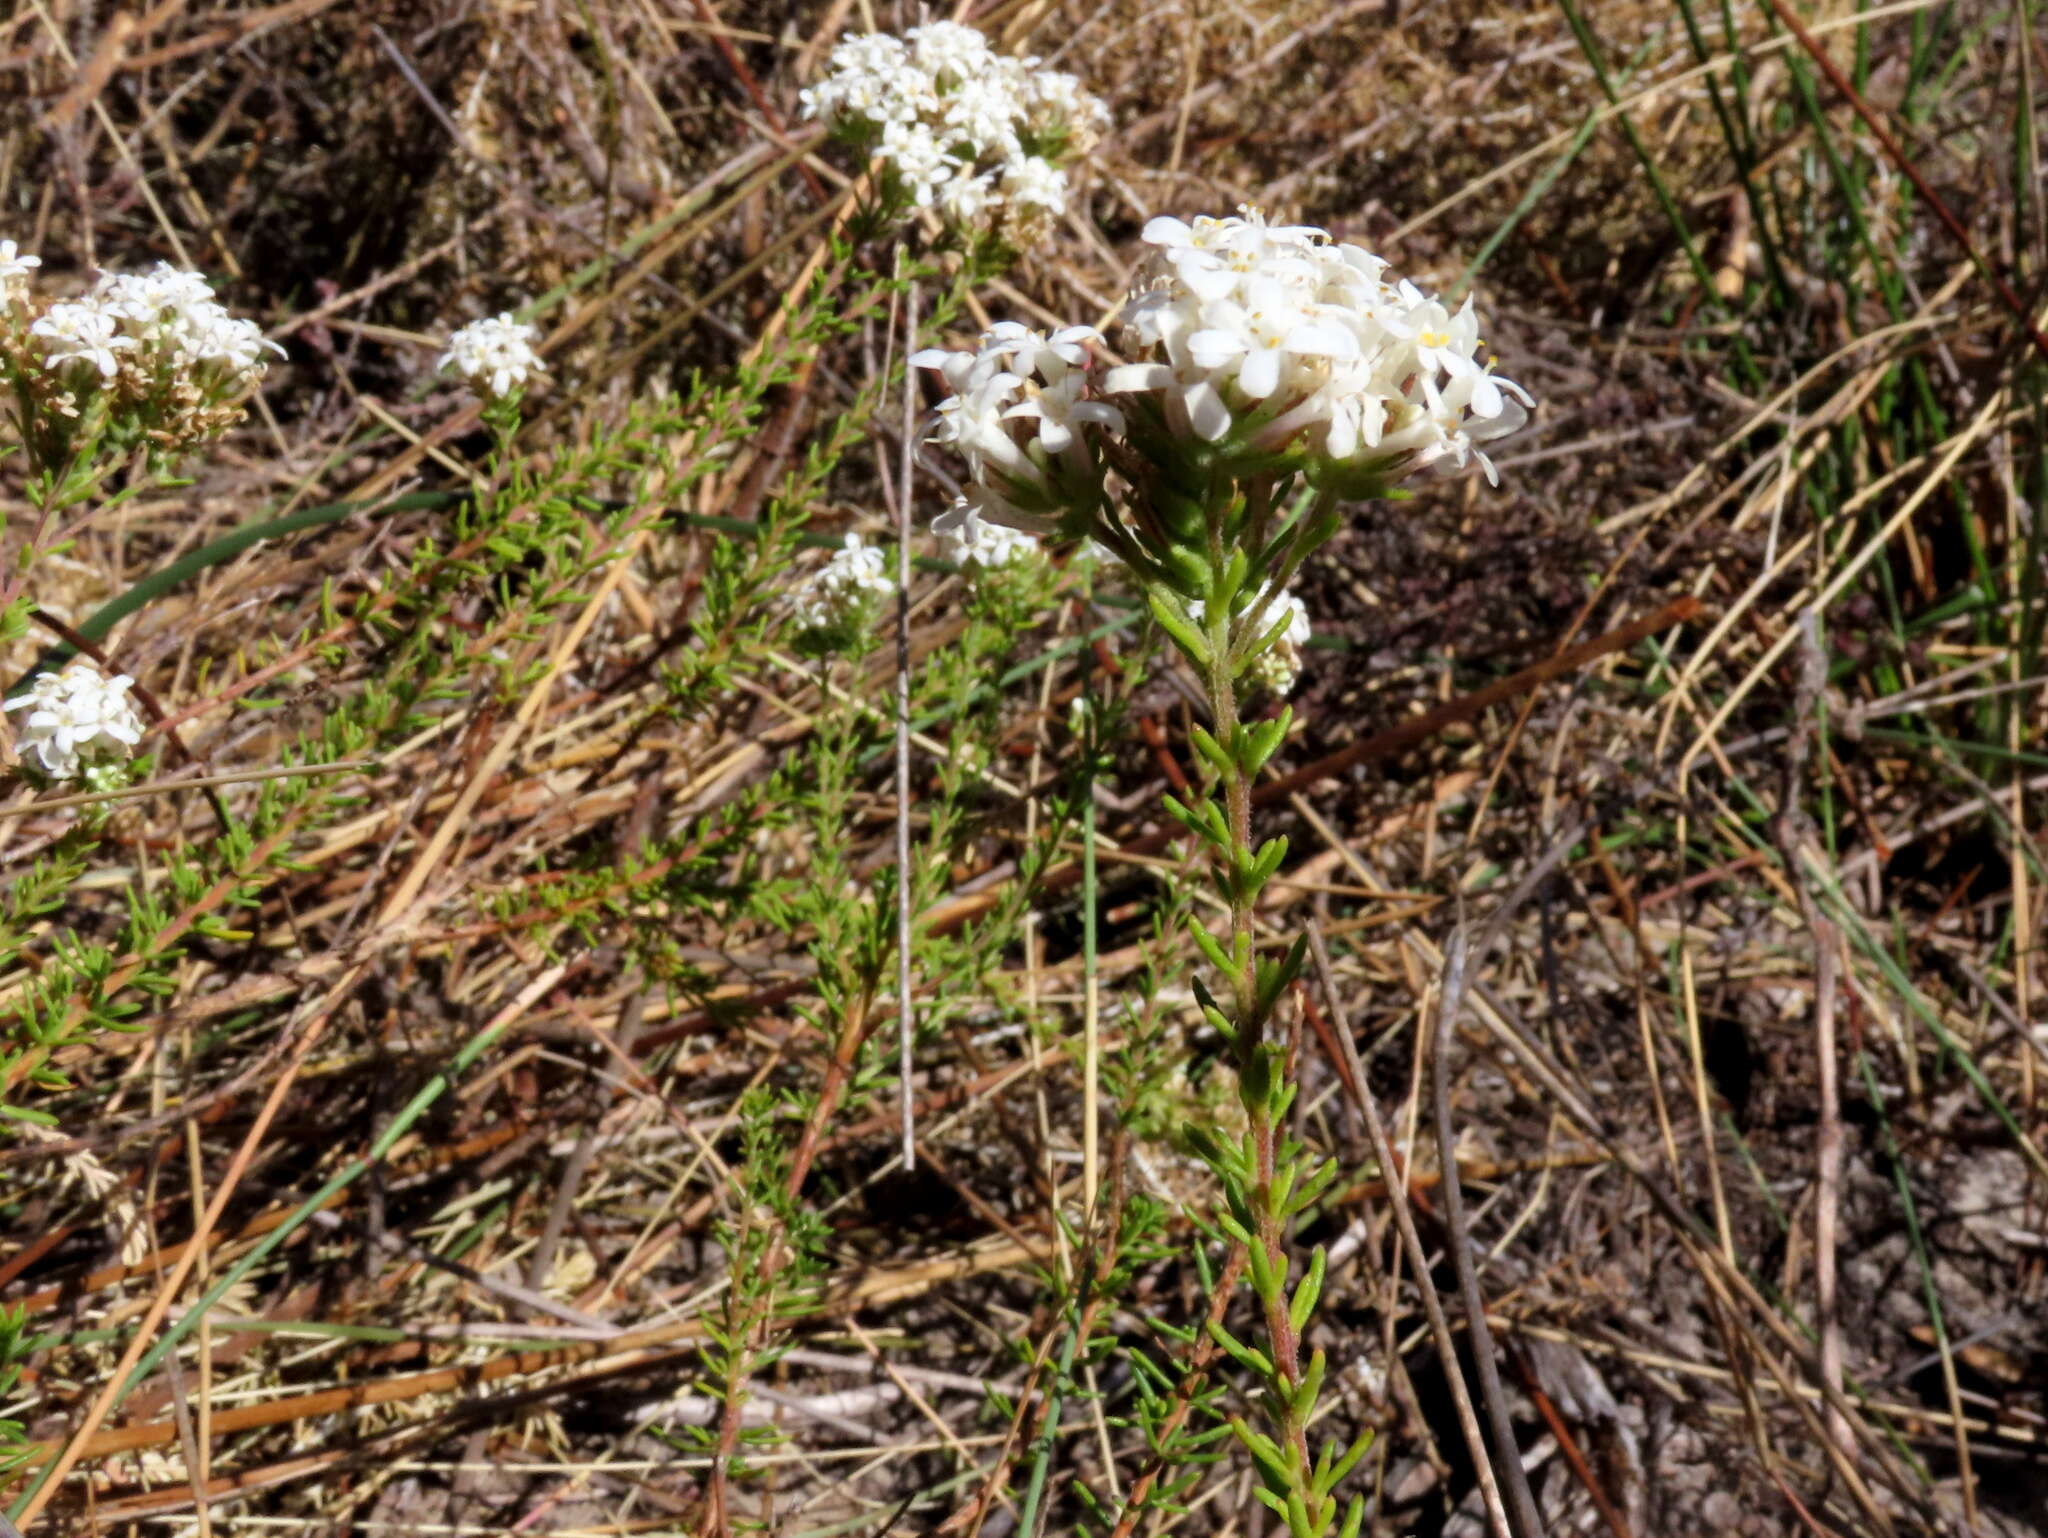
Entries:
{"x":75,"y":718}
{"x":846,"y":590}
{"x":495,"y":356}
{"x":82,"y":332}
{"x":871,"y":53}
{"x":977,"y":543}
{"x":15,"y":266}
{"x":1444,"y":343}
{"x":1053,"y":96}
{"x":949,"y":52}
{"x":982,"y":113}
{"x":1279,"y":665}
{"x":1034,"y":183}
{"x":213,"y":336}
{"x":164,"y":298}
{"x":1063,"y":412}
{"x":919,"y":159}
{"x":1033,"y":352}
{"x":965,"y":202}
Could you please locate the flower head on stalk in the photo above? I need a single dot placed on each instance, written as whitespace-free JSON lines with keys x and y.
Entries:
{"x":837,"y":606}
{"x":1274,"y":372}
{"x":494,"y":356}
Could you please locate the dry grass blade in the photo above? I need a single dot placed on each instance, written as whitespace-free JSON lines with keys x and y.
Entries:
{"x":594,"y":1058}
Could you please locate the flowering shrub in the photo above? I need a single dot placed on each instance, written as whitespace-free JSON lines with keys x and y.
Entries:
{"x":1275,"y":374}
{"x":958,"y":128}
{"x":1270,"y":374}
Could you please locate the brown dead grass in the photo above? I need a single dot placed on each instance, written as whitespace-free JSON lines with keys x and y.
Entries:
{"x":1635,"y":1072}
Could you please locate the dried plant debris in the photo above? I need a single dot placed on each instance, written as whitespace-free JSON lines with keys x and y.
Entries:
{"x":1259,"y":768}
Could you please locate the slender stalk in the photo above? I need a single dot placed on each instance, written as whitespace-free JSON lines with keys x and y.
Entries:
{"x":906,"y":1022}
{"x":1396,"y":1179}
{"x":1507,"y":1452}
{"x":1033,"y":1515}
{"x":1283,"y":1341}
{"x":1091,"y":1005}
{"x":1266,"y":1177}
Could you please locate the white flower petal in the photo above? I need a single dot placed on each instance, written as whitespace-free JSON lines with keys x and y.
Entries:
{"x":1207,"y":413}
{"x":1259,"y":375}
{"x":1215,"y":348}
{"x":1137,"y":377}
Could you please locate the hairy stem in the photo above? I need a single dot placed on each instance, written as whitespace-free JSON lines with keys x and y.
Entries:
{"x":1283,"y":1341}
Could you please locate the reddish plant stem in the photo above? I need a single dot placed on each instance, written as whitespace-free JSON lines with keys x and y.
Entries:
{"x":1194,"y":1373}
{"x":1283,"y":1343}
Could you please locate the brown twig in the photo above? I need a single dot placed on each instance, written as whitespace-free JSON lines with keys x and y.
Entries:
{"x":1521,"y":1502}
{"x":1411,"y":1240}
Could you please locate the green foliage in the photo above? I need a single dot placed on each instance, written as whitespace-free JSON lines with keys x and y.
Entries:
{"x":774,"y":1248}
{"x":1228,"y":534}
{"x":529,"y":541}
{"x":15,"y":1346}
{"x":451,"y":630}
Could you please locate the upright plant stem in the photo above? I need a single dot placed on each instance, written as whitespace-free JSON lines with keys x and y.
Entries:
{"x":906,"y":1024}
{"x":1091,"y":1017}
{"x":1283,"y":1341}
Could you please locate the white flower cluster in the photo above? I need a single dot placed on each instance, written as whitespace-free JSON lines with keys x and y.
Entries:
{"x":494,"y":356}
{"x":1020,"y":414}
{"x":156,"y":347}
{"x":1263,"y":357}
{"x":76,"y":719}
{"x":960,"y":128}
{"x":978,"y":545}
{"x":165,"y":322}
{"x":15,"y":267}
{"x":1275,"y":344}
{"x":846,"y":591}
{"x":1281,"y":336}
{"x":1277,"y":667}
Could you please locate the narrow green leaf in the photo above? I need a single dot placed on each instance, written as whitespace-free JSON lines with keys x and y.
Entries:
{"x":1174,"y":622}
{"x":1308,"y":1292}
{"x":1250,"y":1358}
{"x":1211,"y":750}
{"x":1310,"y":1386}
{"x":1350,"y":1459}
{"x":1208,"y":945}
